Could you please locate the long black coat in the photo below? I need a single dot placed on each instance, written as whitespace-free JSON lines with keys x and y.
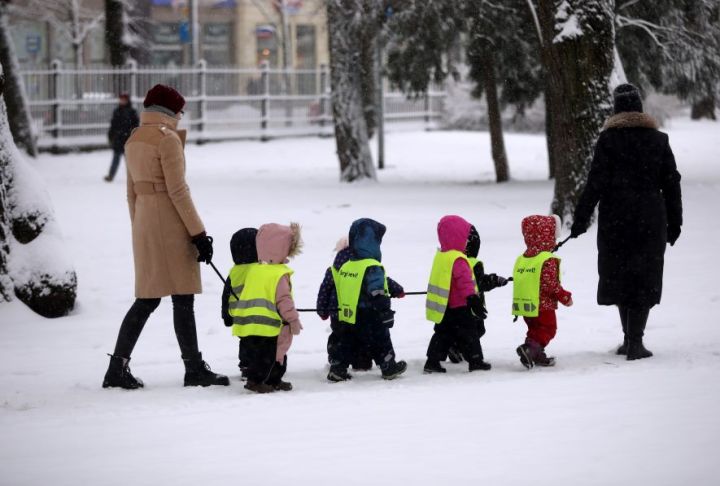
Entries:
{"x":124,"y":120}
{"x":635,"y":180}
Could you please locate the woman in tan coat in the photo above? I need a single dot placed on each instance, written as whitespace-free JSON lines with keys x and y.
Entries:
{"x":165,"y":226}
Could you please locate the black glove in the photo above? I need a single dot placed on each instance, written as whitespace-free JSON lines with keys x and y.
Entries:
{"x":673,"y":233}
{"x":387,"y":318}
{"x":496,"y":281}
{"x":381,"y":303}
{"x":476,"y":306}
{"x":481,"y":327}
{"x":204,"y":245}
{"x":577,"y":229}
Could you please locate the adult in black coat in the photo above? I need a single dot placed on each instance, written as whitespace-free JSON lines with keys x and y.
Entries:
{"x":634,"y":179}
{"x":124,"y":120}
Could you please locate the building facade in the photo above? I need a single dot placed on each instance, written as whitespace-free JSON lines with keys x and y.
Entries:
{"x":231,"y":32}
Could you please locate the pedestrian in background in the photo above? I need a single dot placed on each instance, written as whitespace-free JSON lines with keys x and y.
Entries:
{"x":124,"y":121}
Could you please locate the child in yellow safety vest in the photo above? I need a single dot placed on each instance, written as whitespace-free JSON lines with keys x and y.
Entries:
{"x":363,"y":298}
{"x":262,"y":309}
{"x":453,"y":302}
{"x":537,"y":289}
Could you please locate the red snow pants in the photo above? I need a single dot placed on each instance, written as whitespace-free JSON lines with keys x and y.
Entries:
{"x":542,"y":329}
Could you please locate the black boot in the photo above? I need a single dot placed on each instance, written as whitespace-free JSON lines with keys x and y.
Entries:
{"x":476,"y":365}
{"x":258,"y":387}
{"x":118,"y":375}
{"x":544,"y":360}
{"x":622,"y":350}
{"x":198,"y":373}
{"x":282,"y":386}
{"x":338,"y":374}
{"x":433,"y":367}
{"x":526,"y":356}
{"x":392,"y":369}
{"x":637,"y":320}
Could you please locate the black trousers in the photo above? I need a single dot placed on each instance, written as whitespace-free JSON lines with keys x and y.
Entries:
{"x":183,"y":319}
{"x":260,"y":354}
{"x":361,"y":358}
{"x":242,"y":355}
{"x":368,"y":334}
{"x":460,"y":328}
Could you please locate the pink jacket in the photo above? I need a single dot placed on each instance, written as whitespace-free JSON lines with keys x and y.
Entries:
{"x":275,"y":244}
{"x":453,"y":233}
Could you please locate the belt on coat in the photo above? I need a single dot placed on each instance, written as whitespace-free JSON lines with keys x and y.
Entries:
{"x":146,"y":188}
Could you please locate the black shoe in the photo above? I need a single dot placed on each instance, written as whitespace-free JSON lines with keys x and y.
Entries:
{"x":119,"y":376}
{"x":525,"y":356}
{"x":636,"y":350}
{"x":544,"y":360}
{"x":259,"y":387}
{"x":393,"y":369}
{"x":337,"y":374}
{"x":622,"y":350}
{"x":479,"y":365}
{"x":283,"y":386}
{"x":433,"y":367}
{"x":454,"y":355}
{"x":198,"y":373}
{"x":108,"y":178}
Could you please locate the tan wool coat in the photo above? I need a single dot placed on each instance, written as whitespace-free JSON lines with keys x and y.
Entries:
{"x":162,"y":212}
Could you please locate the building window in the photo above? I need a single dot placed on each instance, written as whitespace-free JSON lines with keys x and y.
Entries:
{"x":267,"y":44}
{"x":217,"y":43}
{"x":166,"y":44}
{"x":305,"y":48}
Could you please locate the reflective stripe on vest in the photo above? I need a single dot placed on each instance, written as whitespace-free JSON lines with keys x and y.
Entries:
{"x":348,"y":285}
{"x":438,"y":291}
{"x":526,"y":284}
{"x":256,"y":313}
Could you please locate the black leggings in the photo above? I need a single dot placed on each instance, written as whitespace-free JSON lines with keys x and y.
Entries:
{"x":183,"y":318}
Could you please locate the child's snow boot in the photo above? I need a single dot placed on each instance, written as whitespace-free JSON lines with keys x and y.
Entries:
{"x":392,"y":369}
{"x":258,"y":387}
{"x":338,"y":374}
{"x":543,"y":359}
{"x":198,"y":373}
{"x":479,"y":364}
{"x":526,"y":356}
{"x":455,"y":355}
{"x":433,"y":367}
{"x":118,"y":375}
{"x":283,"y":386}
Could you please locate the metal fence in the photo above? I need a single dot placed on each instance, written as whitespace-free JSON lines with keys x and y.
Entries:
{"x":72,"y":108}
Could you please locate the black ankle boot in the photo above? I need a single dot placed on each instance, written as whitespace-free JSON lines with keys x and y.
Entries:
{"x":118,"y":375}
{"x":623,"y":348}
{"x":636,"y":350}
{"x":198,"y":373}
{"x":338,"y":374}
{"x":393,"y":369}
{"x":433,"y":367}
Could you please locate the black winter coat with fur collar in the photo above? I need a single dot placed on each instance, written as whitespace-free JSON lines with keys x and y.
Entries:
{"x":635,"y":181}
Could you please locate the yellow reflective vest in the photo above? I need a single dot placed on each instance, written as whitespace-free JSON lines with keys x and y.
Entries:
{"x":348,"y":285}
{"x":256,"y":313}
{"x":438,"y":291}
{"x":526,"y":284}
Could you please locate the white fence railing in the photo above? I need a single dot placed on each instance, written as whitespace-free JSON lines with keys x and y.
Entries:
{"x":72,"y":108}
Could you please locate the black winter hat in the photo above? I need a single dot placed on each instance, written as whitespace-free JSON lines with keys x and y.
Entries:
{"x":627,"y":98}
{"x":473,"y":244}
{"x":243,"y":247}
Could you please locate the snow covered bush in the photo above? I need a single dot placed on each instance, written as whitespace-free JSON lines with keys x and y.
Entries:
{"x":33,"y":264}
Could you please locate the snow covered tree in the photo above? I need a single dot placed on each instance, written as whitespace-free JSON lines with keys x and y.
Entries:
{"x":578,"y":42}
{"x":33,"y":266}
{"x":347,"y":24}
{"x":501,"y":51}
{"x":17,"y":106}
{"x":673,"y":46}
{"x":116,"y":34}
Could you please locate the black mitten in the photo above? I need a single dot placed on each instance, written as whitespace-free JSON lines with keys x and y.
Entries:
{"x":388,"y":318}
{"x":204,"y":245}
{"x":476,"y":306}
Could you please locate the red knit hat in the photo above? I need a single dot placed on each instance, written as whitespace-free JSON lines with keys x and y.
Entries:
{"x":166,"y":97}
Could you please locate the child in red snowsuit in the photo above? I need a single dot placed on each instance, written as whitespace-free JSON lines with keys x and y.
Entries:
{"x":540,"y":234}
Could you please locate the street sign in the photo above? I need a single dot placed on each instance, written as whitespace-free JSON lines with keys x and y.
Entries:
{"x":33,"y":43}
{"x":184,"y":32}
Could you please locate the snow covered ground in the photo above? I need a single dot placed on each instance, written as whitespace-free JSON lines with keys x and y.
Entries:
{"x":595,"y":419}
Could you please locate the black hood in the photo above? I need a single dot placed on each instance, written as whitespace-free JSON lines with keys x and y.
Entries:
{"x":242,"y":246}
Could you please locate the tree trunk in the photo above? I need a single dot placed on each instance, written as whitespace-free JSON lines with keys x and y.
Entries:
{"x":17,"y":108}
{"x":703,"y":109}
{"x":115,"y":32}
{"x":5,"y":282}
{"x":578,"y":62}
{"x":368,"y":76}
{"x":345,"y":31}
{"x":141,"y":30}
{"x":497,"y":143}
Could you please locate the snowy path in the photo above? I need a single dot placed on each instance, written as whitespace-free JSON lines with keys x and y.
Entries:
{"x":594,"y":419}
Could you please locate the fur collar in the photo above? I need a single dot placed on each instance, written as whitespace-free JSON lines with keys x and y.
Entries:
{"x":631,"y":119}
